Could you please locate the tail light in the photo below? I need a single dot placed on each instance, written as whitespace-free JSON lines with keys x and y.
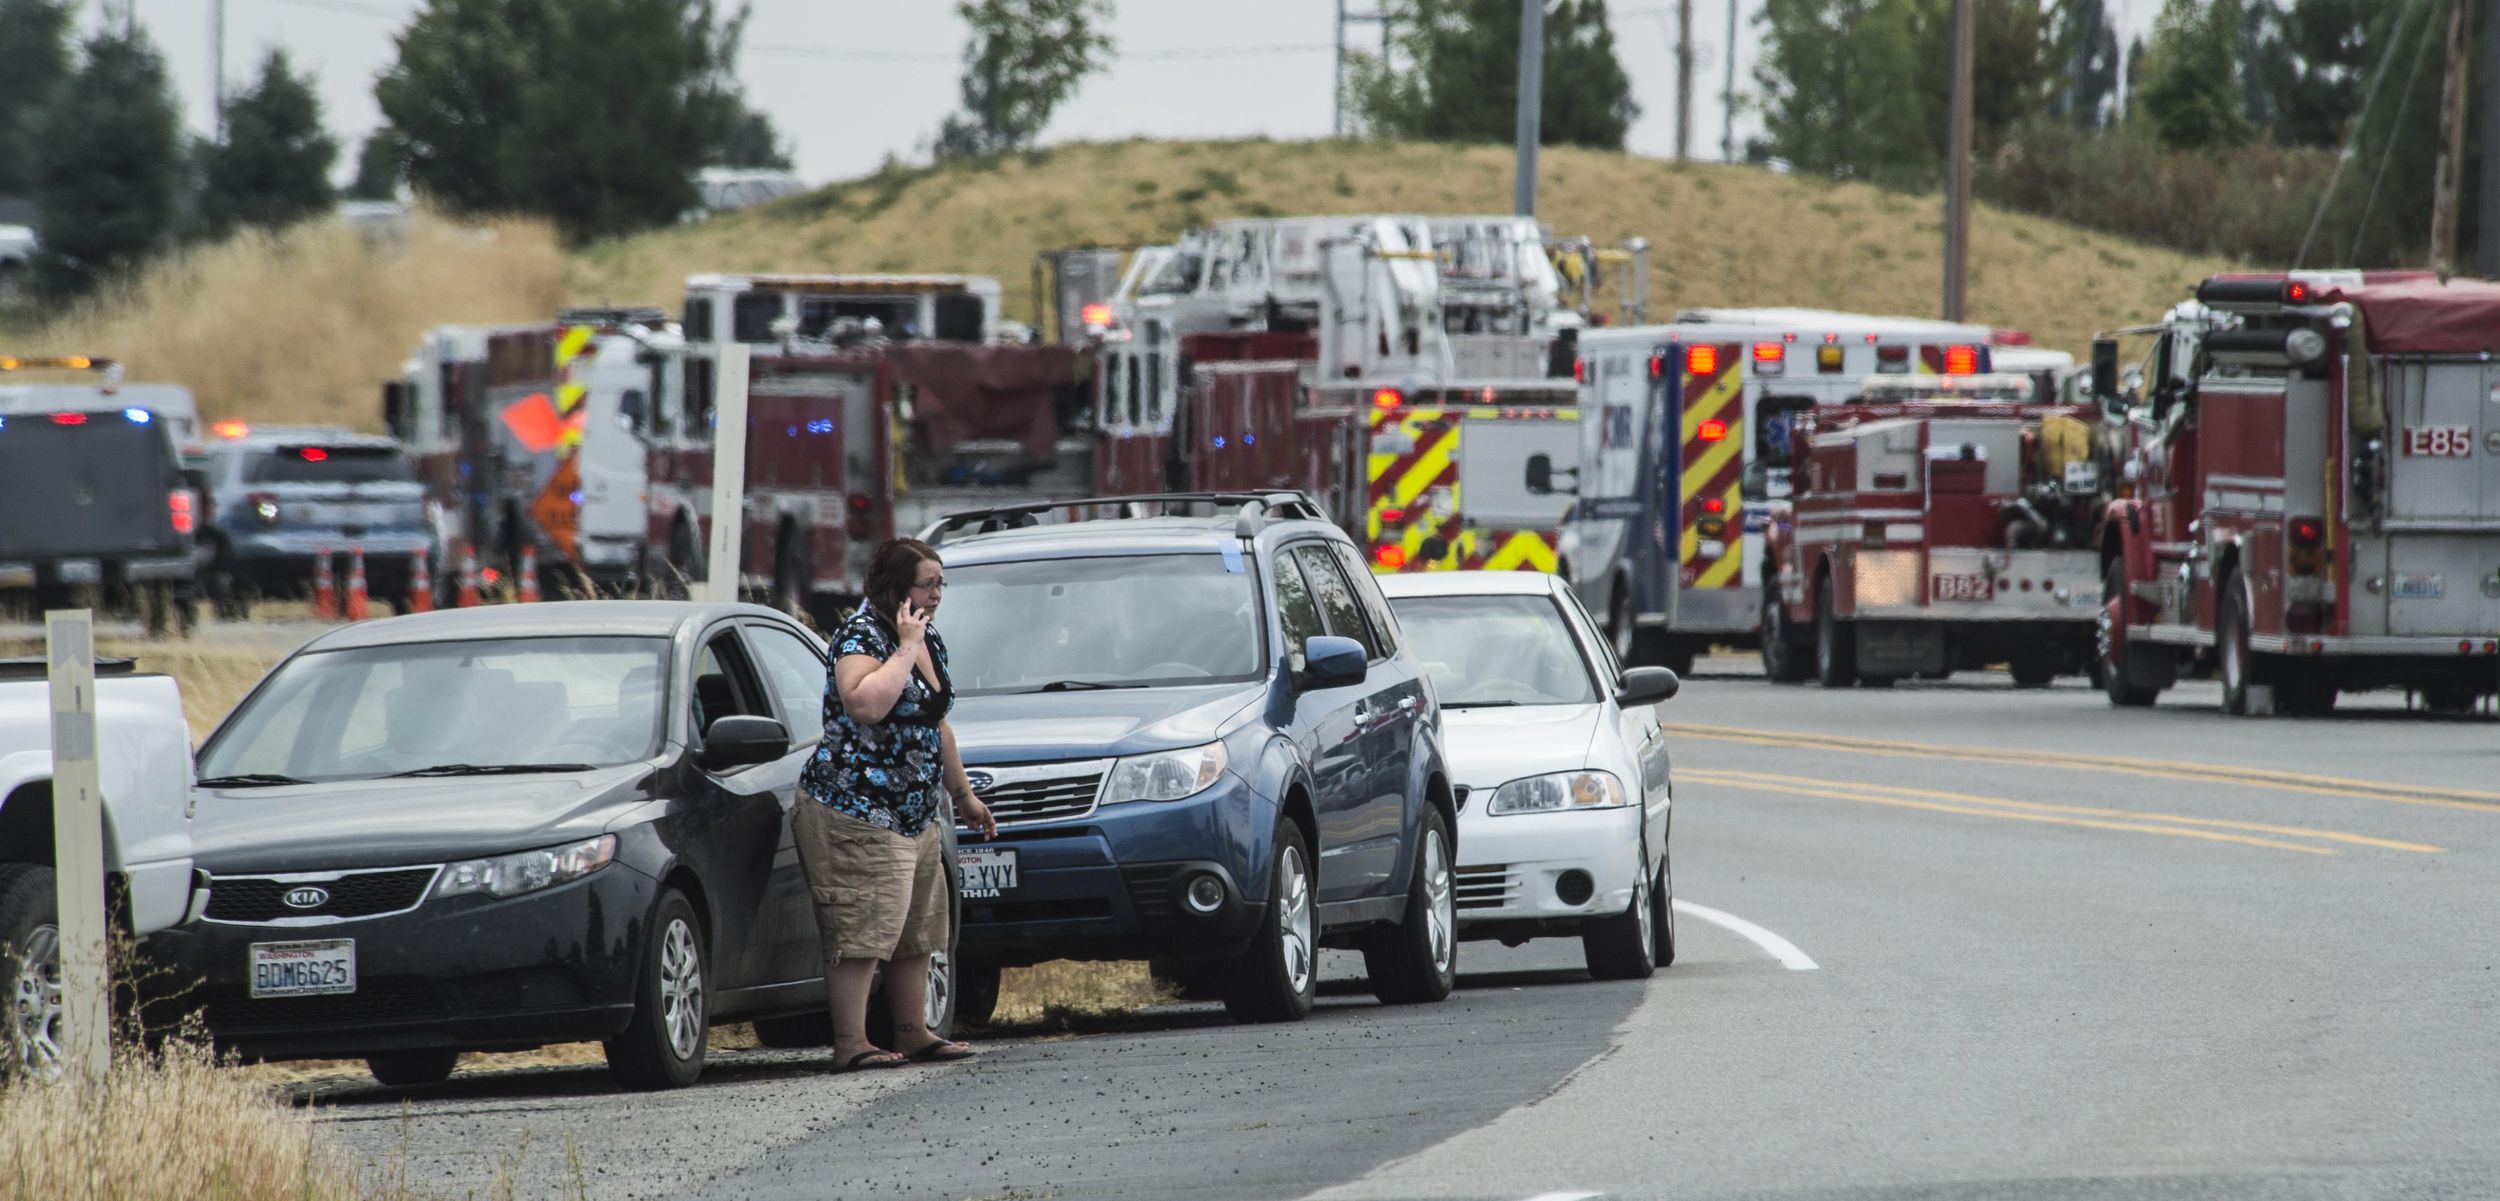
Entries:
{"x":69,"y":419}
{"x":1393,"y":517}
{"x":1701,"y":360}
{"x":1391,"y":557}
{"x":1579,"y":371}
{"x":1713,"y":430}
{"x":1657,"y":364}
{"x":178,"y":507}
{"x":1770,"y":358}
{"x":2308,"y":549}
{"x":264,"y":506}
{"x":1892,"y":360}
{"x":1961,"y":360}
{"x":1388,"y":398}
{"x":314,"y":454}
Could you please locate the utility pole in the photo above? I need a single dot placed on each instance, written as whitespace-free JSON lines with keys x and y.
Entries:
{"x":1957,"y":167}
{"x":1531,"y":105}
{"x":1683,"y":80}
{"x":2451,"y":163}
{"x":1727,"y":98}
{"x":2487,"y":225}
{"x":217,"y":65}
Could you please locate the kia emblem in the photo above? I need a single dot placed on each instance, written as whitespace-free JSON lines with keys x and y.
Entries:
{"x":307,"y":898}
{"x":980,"y":780}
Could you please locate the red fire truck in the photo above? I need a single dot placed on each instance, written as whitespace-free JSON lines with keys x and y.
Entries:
{"x":2307,"y":495}
{"x":1934,"y":525}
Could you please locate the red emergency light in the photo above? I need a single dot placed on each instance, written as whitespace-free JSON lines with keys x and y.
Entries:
{"x":230,"y":429}
{"x":2295,"y":292}
{"x":69,"y":419}
{"x":1713,"y":504}
{"x":1393,"y":517}
{"x":1391,"y":557}
{"x":1388,"y":398}
{"x":178,"y":507}
{"x":313,"y":454}
{"x":2308,"y":531}
{"x":1713,"y":430}
{"x":1701,"y":360}
{"x":1961,"y":360}
{"x":1767,"y":353}
{"x":1579,"y":371}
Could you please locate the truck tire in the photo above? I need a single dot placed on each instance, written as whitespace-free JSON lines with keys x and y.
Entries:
{"x":30,"y":974}
{"x":1835,"y":644}
{"x":2118,"y":677}
{"x":2233,"y":660}
{"x":1624,"y":946}
{"x":2033,"y":664}
{"x":1785,"y":649}
{"x":663,"y":1046}
{"x":1416,"y":961}
{"x":406,"y":1069}
{"x":1278,"y":977}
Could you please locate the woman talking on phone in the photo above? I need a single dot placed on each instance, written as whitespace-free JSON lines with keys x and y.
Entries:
{"x":871,"y":843}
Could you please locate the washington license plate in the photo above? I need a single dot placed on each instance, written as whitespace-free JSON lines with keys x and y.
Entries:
{"x":303,"y":969}
{"x":1961,"y":587}
{"x":2419,"y":587}
{"x":985,"y":873}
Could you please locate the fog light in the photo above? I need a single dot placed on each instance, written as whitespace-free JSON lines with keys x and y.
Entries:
{"x":1574,"y":887}
{"x":1205,"y":894}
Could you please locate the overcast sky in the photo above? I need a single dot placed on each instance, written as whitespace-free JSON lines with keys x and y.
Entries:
{"x":850,"y":81}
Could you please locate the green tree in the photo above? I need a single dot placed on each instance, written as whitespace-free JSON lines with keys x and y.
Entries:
{"x":378,"y":169}
{"x":752,"y":141}
{"x":1025,"y":58}
{"x":1854,"y":89}
{"x":2191,"y":92}
{"x":108,"y":196}
{"x":274,"y":166}
{"x":34,"y":63}
{"x":606,"y":145}
{"x":2087,"y":97}
{"x":1458,"y":78}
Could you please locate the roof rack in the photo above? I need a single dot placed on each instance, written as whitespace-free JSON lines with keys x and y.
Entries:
{"x":1255,"y":507}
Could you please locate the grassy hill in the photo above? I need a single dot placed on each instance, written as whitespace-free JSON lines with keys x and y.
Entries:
{"x":304,"y":326}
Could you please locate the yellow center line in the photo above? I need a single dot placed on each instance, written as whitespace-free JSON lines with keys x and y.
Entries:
{"x":2159,"y":769}
{"x":2010,"y":815}
{"x":1964,"y":798}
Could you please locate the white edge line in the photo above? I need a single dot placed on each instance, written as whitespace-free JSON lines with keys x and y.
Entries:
{"x":1778,"y":948}
{"x":1565,"y":1196}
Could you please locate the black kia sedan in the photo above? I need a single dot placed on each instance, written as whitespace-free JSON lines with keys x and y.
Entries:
{"x":498,"y":828}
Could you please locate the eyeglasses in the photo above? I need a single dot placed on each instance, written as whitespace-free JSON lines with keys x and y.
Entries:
{"x":937,"y":585}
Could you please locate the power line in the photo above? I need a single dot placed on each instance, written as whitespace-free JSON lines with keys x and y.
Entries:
{"x":350,"y":7}
{"x":1166,"y":54}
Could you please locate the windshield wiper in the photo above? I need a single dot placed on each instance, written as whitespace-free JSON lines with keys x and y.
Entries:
{"x":1081,"y":686}
{"x":1480,"y":704}
{"x":486,"y":769}
{"x":249,"y":779}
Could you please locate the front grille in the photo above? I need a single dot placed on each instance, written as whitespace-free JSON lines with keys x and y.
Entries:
{"x":1486,"y":887}
{"x":1150,"y":891}
{"x":1021,"y":794}
{"x":352,"y":894}
{"x":230,"y":1014}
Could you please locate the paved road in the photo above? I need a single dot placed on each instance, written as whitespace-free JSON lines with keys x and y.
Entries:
{"x":2056,"y":951}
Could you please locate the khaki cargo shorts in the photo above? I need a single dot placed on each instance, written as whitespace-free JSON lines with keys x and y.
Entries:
{"x":878,"y":894}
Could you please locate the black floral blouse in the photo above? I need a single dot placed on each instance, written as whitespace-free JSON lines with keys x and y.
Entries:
{"x":891,"y":773}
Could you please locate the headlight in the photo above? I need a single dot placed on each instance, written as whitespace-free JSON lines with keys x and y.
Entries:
{"x":527,"y":871}
{"x":1560,"y":791}
{"x":1166,"y":776}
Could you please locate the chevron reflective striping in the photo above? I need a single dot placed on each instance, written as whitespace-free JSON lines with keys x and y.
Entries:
{"x":1525,"y":548}
{"x":1713,"y":468}
{"x":569,"y":347}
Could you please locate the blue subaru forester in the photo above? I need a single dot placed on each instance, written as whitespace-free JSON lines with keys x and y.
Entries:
{"x":1205,"y":745}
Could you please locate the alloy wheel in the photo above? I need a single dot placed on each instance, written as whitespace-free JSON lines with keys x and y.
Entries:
{"x":1640,"y":905}
{"x":681,"y":990}
{"x":1294,"y":930}
{"x":1440,"y":903}
{"x":35,"y":1006}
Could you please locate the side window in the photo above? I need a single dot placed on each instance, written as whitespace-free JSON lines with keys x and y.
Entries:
{"x":1367,"y":591}
{"x":722,"y":685}
{"x":1336,"y":598}
{"x":795,"y":675}
{"x":1296,"y":609}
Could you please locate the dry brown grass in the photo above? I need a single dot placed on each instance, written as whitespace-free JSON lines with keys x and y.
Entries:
{"x":1720,"y":235}
{"x":1054,"y":992}
{"x":176,"y":1128}
{"x":304,"y":325}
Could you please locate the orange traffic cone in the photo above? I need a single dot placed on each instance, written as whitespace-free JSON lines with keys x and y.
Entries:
{"x":468,"y":575}
{"x":420,"y":584}
{"x":529,"y":575}
{"x":325,"y":599}
{"x":359,"y":602}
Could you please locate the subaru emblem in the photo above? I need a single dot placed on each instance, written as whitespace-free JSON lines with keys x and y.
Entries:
{"x":980,"y":780}
{"x":307,"y":898}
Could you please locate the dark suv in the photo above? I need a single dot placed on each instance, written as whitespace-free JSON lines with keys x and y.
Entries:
{"x":1205,"y":744}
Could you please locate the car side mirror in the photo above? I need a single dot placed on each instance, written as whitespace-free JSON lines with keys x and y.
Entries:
{"x":2105,"y":371}
{"x":1646,"y":686}
{"x":736,"y":742}
{"x":1332,"y":662}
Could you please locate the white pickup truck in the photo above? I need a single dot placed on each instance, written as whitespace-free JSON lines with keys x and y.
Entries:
{"x":143,"y":756}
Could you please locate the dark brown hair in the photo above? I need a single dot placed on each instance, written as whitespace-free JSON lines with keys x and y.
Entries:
{"x":892,"y":570}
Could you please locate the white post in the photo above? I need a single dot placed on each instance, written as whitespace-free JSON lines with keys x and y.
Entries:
{"x":78,"y":844}
{"x":729,"y":473}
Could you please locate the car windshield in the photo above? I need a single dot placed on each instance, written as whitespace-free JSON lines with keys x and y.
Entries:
{"x":382,"y":710}
{"x":332,"y":465}
{"x":1133,"y":621}
{"x":1496,"y":650}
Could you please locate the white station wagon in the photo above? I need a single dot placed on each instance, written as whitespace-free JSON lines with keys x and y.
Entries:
{"x":1560,"y":761}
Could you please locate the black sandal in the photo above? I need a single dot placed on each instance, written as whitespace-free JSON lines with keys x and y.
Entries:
{"x":858,"y":1063}
{"x":943,"y":1051}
